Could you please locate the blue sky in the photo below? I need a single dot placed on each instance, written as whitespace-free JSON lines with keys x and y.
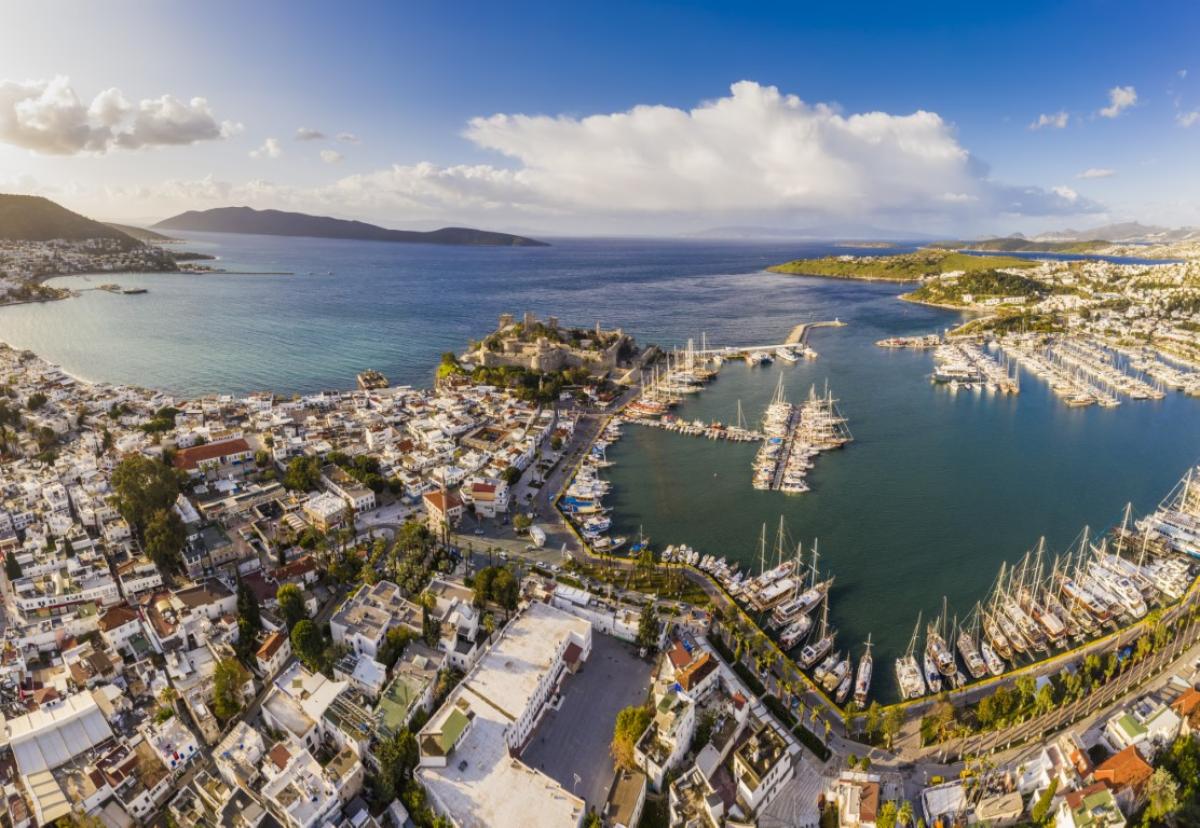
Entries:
{"x":406,"y":80}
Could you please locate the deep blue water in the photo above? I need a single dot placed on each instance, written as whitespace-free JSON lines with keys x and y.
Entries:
{"x":936,"y":490}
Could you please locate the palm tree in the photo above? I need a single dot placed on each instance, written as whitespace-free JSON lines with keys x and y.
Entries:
{"x":905,"y":813}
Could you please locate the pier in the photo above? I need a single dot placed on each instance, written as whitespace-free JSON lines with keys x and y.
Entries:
{"x":712,"y":431}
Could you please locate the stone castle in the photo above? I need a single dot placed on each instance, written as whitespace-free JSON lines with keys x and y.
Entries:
{"x":513,"y":344}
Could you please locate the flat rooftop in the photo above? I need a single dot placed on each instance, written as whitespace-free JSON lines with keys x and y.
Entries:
{"x":482,"y":784}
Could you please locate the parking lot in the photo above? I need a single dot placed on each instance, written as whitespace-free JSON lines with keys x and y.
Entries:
{"x":575,"y":738}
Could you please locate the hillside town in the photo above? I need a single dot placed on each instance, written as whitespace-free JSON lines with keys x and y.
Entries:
{"x":25,"y":264}
{"x":256,"y":610}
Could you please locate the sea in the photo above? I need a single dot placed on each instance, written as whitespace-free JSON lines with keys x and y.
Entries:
{"x":936,"y":490}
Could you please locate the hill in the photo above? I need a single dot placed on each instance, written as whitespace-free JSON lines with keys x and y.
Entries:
{"x":1127,"y":231}
{"x":280,"y":223}
{"x":33,"y":218}
{"x":905,"y":267}
{"x":1018,"y":244}
{"x":141,"y":233}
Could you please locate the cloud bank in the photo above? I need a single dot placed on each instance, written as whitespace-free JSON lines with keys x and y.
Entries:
{"x":756,"y":151}
{"x":48,"y":117}
{"x":754,"y":155}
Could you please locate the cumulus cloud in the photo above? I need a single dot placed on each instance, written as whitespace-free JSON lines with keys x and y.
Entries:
{"x":754,"y":154}
{"x":1120,"y":98}
{"x":309,"y":134}
{"x":1097,"y":172}
{"x":331,"y":156}
{"x":347,"y":137}
{"x":1186,"y":119}
{"x":271,"y":148}
{"x":1182,"y":73}
{"x":47,"y":116}
{"x":1055,"y":120}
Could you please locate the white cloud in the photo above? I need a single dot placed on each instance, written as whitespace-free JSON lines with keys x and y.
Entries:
{"x":753,"y":155}
{"x":1097,"y":172}
{"x":347,"y":137}
{"x":1120,"y":98}
{"x":48,"y":117}
{"x":1186,"y":119}
{"x":330,"y":156}
{"x":271,"y":148}
{"x":1055,"y":120}
{"x":309,"y":134}
{"x":1182,"y":73}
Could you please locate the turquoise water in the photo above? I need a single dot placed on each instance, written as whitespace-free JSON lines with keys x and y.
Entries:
{"x":934,"y":492}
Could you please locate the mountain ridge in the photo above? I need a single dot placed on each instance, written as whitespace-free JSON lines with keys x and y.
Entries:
{"x":247,"y":220}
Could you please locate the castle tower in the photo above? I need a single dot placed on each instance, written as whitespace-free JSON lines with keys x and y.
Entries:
{"x":530,"y":319}
{"x":506,"y":319}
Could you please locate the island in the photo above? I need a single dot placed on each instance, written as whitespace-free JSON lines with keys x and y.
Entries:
{"x":281,"y":223}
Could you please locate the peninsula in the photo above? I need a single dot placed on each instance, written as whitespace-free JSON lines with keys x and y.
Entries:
{"x":902,"y":267}
{"x":281,"y":223}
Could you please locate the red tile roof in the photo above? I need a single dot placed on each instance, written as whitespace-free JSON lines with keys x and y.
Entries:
{"x":679,"y":655}
{"x":271,"y":646}
{"x":572,"y":654}
{"x":1125,"y":769}
{"x":190,"y":458}
{"x":118,"y":616}
{"x":442,"y":500}
{"x":1188,"y":702}
{"x":696,"y":672}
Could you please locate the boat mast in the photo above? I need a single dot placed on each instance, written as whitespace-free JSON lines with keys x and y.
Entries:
{"x":1124,"y":528}
{"x":762,"y":550}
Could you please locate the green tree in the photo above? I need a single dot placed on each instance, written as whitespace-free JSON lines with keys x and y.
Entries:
{"x":521,"y":522}
{"x":309,"y":645}
{"x":483,"y":585}
{"x":247,"y":606}
{"x":1162,"y":795}
{"x":143,"y":488}
{"x":163,"y":539}
{"x":397,"y":756}
{"x":1041,"y":809}
{"x":431,"y":630}
{"x":394,"y":643}
{"x":12,"y":567}
{"x":630,"y":725}
{"x":647,"y":634}
{"x":886,"y":818}
{"x":506,"y":591}
{"x":228,"y":679}
{"x":302,"y":474}
{"x":291,"y":604}
{"x":904,"y":814}
{"x":511,"y":475}
{"x":35,"y":401}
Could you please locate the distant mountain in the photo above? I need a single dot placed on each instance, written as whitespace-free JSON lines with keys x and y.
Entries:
{"x":1019,"y":244}
{"x":141,"y":233}
{"x":818,"y":233}
{"x":33,"y":218}
{"x":279,"y":223}
{"x":1126,"y":231}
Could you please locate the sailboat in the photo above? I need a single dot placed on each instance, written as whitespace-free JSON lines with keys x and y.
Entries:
{"x":862,"y":681}
{"x":908,"y":673}
{"x":812,"y":653}
{"x":968,"y":648}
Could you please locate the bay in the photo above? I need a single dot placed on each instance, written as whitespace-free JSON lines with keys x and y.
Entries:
{"x":936,"y":490}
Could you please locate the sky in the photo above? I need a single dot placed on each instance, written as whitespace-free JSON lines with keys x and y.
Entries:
{"x":610,"y":118}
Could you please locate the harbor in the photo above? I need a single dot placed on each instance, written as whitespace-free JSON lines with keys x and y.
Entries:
{"x":858,"y":604}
